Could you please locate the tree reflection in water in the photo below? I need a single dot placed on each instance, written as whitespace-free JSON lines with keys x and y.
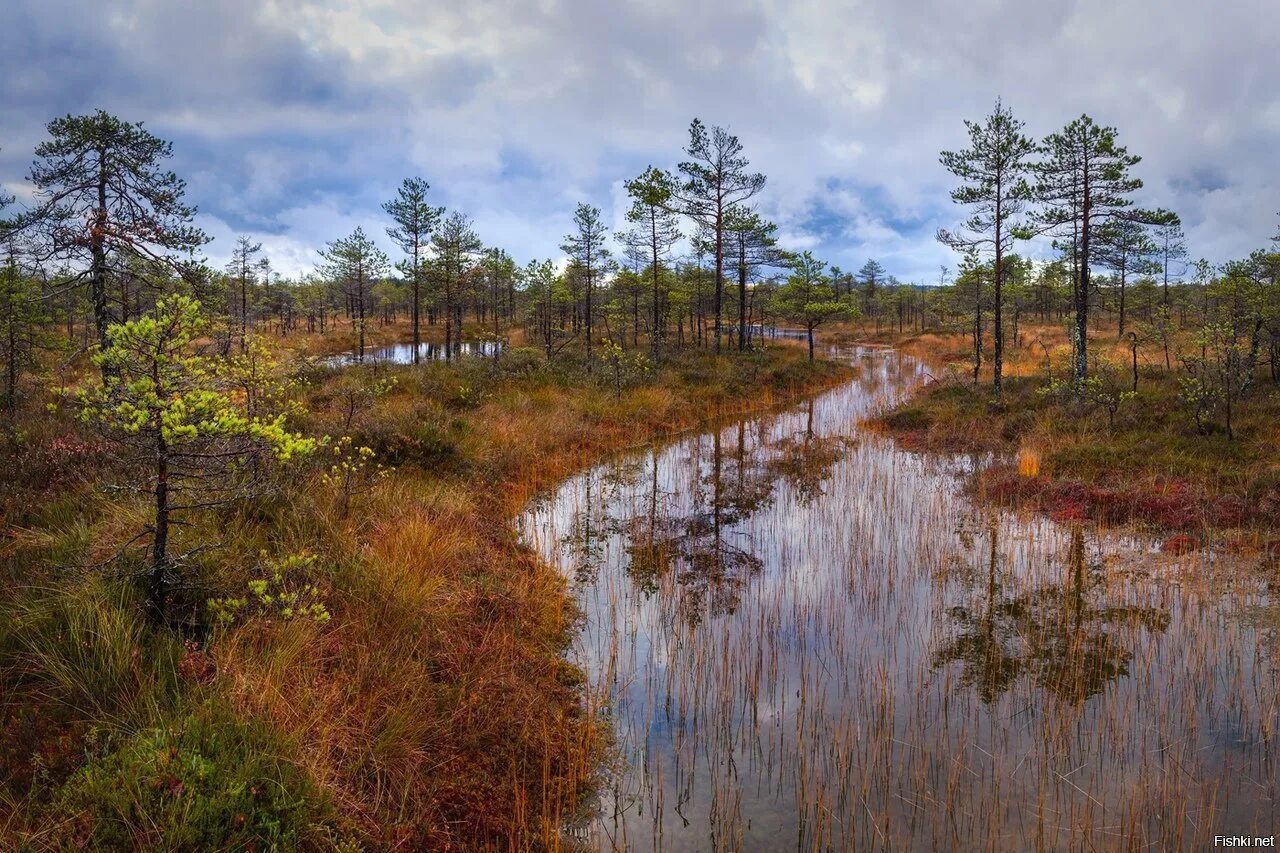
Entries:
{"x":874,"y":679}
{"x":706,"y":545}
{"x":1066,"y":638}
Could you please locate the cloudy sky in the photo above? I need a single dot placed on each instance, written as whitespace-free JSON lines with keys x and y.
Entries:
{"x":293,"y":121}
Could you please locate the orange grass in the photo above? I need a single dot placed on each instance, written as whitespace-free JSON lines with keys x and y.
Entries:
{"x":1065,"y":457}
{"x":437,"y":710}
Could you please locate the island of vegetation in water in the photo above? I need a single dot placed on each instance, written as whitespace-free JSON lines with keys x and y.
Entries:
{"x":680,"y":537}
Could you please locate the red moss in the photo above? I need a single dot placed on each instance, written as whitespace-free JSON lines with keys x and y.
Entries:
{"x":914,"y":440}
{"x":1181,"y":544}
{"x":196,"y":664}
{"x":1163,"y":503}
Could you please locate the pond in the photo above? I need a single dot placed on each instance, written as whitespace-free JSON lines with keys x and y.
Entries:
{"x":403,"y":353}
{"x":805,"y":638}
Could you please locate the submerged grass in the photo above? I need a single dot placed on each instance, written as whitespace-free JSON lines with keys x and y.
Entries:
{"x":808,"y":639}
{"x":433,"y":709}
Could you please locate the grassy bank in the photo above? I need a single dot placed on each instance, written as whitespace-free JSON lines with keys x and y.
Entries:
{"x":1146,"y":462}
{"x":397,"y":679}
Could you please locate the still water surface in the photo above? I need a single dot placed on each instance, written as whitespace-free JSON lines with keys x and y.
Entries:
{"x":804,"y":638}
{"x":403,"y":353}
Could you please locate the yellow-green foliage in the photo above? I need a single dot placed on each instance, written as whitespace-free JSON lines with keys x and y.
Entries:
{"x":411,"y":674}
{"x":284,"y":592}
{"x":156,"y":385}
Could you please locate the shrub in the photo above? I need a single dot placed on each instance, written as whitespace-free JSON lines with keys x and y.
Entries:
{"x":284,"y":592}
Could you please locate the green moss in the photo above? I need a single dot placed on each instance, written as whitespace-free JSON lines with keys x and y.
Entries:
{"x":202,"y":780}
{"x":908,"y":418}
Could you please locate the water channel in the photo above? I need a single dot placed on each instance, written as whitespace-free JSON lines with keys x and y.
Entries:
{"x":803,"y":637}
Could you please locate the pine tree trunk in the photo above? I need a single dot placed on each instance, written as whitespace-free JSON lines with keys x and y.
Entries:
{"x":157,"y":581}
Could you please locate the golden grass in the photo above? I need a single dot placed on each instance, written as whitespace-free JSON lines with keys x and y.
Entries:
{"x":1066,"y":457}
{"x":438,"y":710}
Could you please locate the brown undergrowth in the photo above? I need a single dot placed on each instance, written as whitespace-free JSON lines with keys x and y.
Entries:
{"x":433,"y":709}
{"x":1149,"y":465}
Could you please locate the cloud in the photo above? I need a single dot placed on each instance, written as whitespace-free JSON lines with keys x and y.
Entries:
{"x":293,"y":121}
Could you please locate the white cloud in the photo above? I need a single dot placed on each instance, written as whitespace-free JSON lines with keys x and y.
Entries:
{"x":294,"y":120}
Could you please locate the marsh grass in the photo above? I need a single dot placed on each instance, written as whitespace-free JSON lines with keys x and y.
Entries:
{"x":434,"y":710}
{"x":1150,"y":465}
{"x":893,"y":667}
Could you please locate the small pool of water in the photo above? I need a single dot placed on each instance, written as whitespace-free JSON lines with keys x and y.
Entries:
{"x":403,"y":353}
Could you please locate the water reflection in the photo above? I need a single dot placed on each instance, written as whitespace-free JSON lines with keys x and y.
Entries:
{"x":702,"y":540}
{"x":1064,"y":636}
{"x":805,"y":638}
{"x":403,"y":353}
{"x":758,"y":331}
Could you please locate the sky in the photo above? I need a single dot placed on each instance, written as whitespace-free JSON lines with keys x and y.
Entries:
{"x":293,"y":121}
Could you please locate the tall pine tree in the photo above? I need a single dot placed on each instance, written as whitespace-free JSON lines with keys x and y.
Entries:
{"x":993,"y":172}
{"x":657,"y":230}
{"x":586,"y":249}
{"x":716,"y":180}
{"x":102,"y":190}
{"x":415,"y":220}
{"x":355,"y":263}
{"x":1083,"y":183}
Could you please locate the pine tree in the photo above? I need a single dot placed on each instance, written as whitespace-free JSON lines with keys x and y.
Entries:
{"x":415,"y":220}
{"x":657,"y":230}
{"x":355,"y":263}
{"x":1083,"y":182}
{"x":1172,"y":245}
{"x":808,"y":298}
{"x":180,"y":425}
{"x":871,"y":276}
{"x":23,"y":319}
{"x":716,"y":180}
{"x":241,"y":269}
{"x":751,"y":243}
{"x":456,"y":246}
{"x":993,"y":172}
{"x":102,"y":190}
{"x":1126,"y":249}
{"x":586,"y":249}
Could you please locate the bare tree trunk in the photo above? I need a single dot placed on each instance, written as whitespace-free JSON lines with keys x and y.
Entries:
{"x":448,"y":316}
{"x":719,"y":272}
{"x":656,"y":333}
{"x":98,"y":266}
{"x":157,"y":580}
{"x":742,"y":306}
{"x":590,"y":288}
{"x":417,"y":302}
{"x":1082,"y":290}
{"x":997,"y":358}
{"x":1123,"y":276}
{"x":977,"y":327}
{"x":359,"y":299}
{"x":1133,"y":347}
